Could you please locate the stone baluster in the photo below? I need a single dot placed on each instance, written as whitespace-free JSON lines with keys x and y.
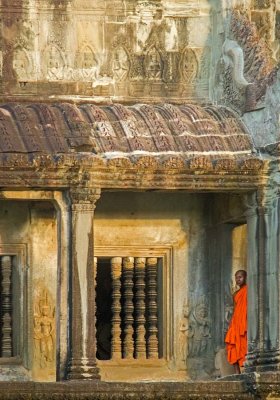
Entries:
{"x":116,"y":270}
{"x":82,"y":363}
{"x":140,"y":345}
{"x":128,"y":272}
{"x":152,"y":346}
{"x":6,"y":301}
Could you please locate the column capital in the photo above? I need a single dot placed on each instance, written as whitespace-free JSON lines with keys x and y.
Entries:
{"x":267,"y":199}
{"x":262,"y":201}
{"x":84,"y":199}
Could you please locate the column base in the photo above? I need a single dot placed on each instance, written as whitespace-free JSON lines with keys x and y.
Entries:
{"x":83,"y":369}
{"x":265,"y":360}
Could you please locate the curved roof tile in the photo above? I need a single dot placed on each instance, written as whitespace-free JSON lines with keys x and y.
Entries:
{"x":162,"y":128}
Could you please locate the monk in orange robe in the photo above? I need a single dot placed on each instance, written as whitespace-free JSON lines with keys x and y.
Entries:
{"x":236,"y":337}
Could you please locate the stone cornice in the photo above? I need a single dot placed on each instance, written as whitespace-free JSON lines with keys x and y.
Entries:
{"x":140,"y":172}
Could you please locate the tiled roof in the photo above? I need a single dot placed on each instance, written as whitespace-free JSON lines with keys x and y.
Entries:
{"x":121,"y":129}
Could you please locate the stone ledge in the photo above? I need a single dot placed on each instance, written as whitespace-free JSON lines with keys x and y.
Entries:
{"x":237,"y":390}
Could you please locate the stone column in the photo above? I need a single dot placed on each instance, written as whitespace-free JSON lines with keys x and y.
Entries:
{"x":82,"y":363}
{"x":263,"y":282}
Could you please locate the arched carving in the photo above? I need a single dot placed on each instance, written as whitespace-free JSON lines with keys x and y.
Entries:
{"x":153,"y":64}
{"x":22,"y":64}
{"x":189,"y":65}
{"x":120,"y":64}
{"x":55,"y":63}
{"x":86,"y":64}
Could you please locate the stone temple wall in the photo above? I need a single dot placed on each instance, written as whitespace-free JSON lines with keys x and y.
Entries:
{"x":130,"y":51}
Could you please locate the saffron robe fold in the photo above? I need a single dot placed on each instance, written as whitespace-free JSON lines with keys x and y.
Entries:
{"x":236,"y":337}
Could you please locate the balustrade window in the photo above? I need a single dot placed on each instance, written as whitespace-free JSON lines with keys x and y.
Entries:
{"x":129,"y":308}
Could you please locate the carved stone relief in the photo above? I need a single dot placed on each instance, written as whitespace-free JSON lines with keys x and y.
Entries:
{"x":44,"y":330}
{"x":153,"y":64}
{"x":199,"y":328}
{"x":199,"y":337}
{"x":120,"y":64}
{"x":263,"y":24}
{"x":183,"y":335}
{"x":189,"y":65}
{"x":22,"y":65}
{"x":86,"y":65}
{"x":55,"y":63}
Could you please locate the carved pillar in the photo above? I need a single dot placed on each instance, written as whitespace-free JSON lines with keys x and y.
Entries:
{"x":263,"y":283}
{"x":128,"y":266}
{"x":82,"y":364}
{"x":6,"y":302}
{"x":140,"y":345}
{"x":116,"y":271}
{"x":152,"y":347}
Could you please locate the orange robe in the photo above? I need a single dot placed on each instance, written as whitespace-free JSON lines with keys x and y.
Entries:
{"x":236,"y":337}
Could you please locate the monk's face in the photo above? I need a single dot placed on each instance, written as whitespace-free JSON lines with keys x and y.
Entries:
{"x":240,"y":278}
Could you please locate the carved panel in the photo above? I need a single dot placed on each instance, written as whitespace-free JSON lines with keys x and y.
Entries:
{"x":120,"y":64}
{"x":54,"y":63}
{"x":86,"y":65}
{"x":23,"y":64}
{"x":199,"y":328}
{"x":153,"y":64}
{"x":189,"y":65}
{"x":44,"y":330}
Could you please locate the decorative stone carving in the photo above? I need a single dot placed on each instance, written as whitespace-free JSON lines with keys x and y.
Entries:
{"x":189,"y":65}
{"x":184,"y":334}
{"x":259,"y":67}
{"x":22,"y":65}
{"x":233,"y":56}
{"x":55,"y":62}
{"x":44,"y":330}
{"x":225,"y":165}
{"x":201,"y":163}
{"x":87,"y":66}
{"x":199,"y":329}
{"x":120,"y":64}
{"x":146,"y":11}
{"x":153,"y":64}
{"x":263,"y":24}
{"x":235,"y":86}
